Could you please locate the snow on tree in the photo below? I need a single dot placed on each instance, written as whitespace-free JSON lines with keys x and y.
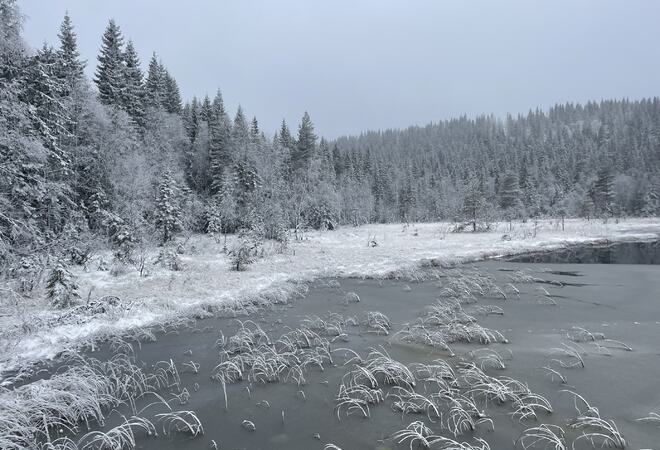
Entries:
{"x":154,"y":85}
{"x":168,"y":213}
{"x":206,"y":110}
{"x":109,"y":78}
{"x":171,"y":94}
{"x":132,"y":98}
{"x":61,"y":289}
{"x":44,"y":92}
{"x":305,"y":144}
{"x":509,"y":191}
{"x":71,"y":66}
{"x":249,"y":243}
{"x":240,"y":134}
{"x":285,"y":138}
{"x":604,"y":191}
{"x":255,"y":134}
{"x":510,"y":196}
{"x":474,"y":201}
{"x":587,"y":207}
{"x":220,"y":143}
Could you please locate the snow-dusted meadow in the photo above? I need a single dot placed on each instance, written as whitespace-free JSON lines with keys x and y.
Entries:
{"x":31,"y":331}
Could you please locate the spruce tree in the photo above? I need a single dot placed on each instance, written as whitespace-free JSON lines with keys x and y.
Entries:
{"x":240,"y":134}
{"x":168,"y":213}
{"x":172,"y":96}
{"x":509,"y":191}
{"x":285,"y":138}
{"x":191,"y":119}
{"x":133,"y":94}
{"x":45,"y":92}
{"x":604,"y":190}
{"x":510,"y":197}
{"x":71,"y":66}
{"x":61,"y":290}
{"x":474,"y":201}
{"x":305,"y":145}
{"x":206,"y":110}
{"x":109,"y":78}
{"x":220,"y":145}
{"x":154,"y":87}
{"x":255,"y":134}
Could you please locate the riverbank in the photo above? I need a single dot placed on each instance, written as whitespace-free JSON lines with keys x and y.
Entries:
{"x":32,"y":331}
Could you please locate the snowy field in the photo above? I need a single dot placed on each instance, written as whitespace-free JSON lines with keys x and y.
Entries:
{"x":32,"y":331}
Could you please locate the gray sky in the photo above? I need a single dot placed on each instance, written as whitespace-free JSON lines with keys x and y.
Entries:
{"x":375,"y":64}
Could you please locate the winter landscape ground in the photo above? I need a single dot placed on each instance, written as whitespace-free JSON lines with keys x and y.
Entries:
{"x":32,"y":331}
{"x":142,"y":343}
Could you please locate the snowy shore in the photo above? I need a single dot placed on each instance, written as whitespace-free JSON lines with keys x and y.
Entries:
{"x":33,"y":331}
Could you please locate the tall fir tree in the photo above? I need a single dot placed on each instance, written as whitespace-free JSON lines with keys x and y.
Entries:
{"x":255,"y":134}
{"x":240,"y":133}
{"x":133,"y":94}
{"x":305,"y":144}
{"x":71,"y":66}
{"x":45,"y":94}
{"x":168,"y":212}
{"x":109,"y":78}
{"x":474,"y":201}
{"x":172,"y":95}
{"x":191,"y":119}
{"x":220,"y":144}
{"x":509,"y":191}
{"x":604,"y":190}
{"x":154,"y":86}
{"x":285,"y":138}
{"x":205,"y":109}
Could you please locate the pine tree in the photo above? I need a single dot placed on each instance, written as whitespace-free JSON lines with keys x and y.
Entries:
{"x":71,"y":66}
{"x":44,"y":92}
{"x":155,"y":84}
{"x":509,"y":191}
{"x":474,"y":201}
{"x":255,"y":134}
{"x":305,"y":145}
{"x":110,"y":79}
{"x":285,"y":138}
{"x":587,"y":206}
{"x":61,"y":290}
{"x":168,"y":213}
{"x":604,"y":191}
{"x":220,"y":145}
{"x":191,"y":119}
{"x":206,"y":110}
{"x":172,"y":96}
{"x":510,"y":197}
{"x":226,"y":202}
{"x":247,"y":180}
{"x":240,"y":133}
{"x":133,"y":94}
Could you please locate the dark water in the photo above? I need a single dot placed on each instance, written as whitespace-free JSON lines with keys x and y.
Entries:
{"x":618,"y":253}
{"x":620,"y":301}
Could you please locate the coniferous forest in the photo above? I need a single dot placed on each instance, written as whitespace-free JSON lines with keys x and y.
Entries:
{"x":123,"y":160}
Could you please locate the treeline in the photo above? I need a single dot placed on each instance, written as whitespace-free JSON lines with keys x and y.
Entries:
{"x":598,"y":159}
{"x":122,"y":158}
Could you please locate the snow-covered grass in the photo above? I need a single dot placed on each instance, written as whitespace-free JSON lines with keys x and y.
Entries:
{"x":31,"y":331}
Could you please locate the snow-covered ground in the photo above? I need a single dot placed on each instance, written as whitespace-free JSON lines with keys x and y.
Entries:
{"x":33,"y":331}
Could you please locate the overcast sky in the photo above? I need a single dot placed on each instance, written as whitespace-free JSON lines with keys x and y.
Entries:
{"x":358,"y":65}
